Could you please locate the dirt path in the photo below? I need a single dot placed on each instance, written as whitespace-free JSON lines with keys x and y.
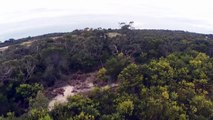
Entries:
{"x":3,"y":48}
{"x":61,"y":98}
{"x":80,"y":83}
{"x":68,"y":91}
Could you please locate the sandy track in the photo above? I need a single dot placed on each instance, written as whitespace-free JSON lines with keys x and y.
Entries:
{"x":80,"y":83}
{"x":61,"y":98}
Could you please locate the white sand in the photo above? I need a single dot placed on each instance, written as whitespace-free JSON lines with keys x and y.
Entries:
{"x":72,"y":90}
{"x":68,"y":91}
{"x":3,"y":48}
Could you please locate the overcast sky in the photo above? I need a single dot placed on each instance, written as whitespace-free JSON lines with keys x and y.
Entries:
{"x":23,"y":18}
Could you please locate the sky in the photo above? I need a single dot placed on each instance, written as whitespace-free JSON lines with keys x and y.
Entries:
{"x":23,"y":18}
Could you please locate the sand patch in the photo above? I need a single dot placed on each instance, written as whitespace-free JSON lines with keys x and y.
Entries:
{"x":61,"y":98}
{"x":3,"y":48}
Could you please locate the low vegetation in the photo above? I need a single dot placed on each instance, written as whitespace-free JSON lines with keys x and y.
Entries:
{"x":159,"y":74}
